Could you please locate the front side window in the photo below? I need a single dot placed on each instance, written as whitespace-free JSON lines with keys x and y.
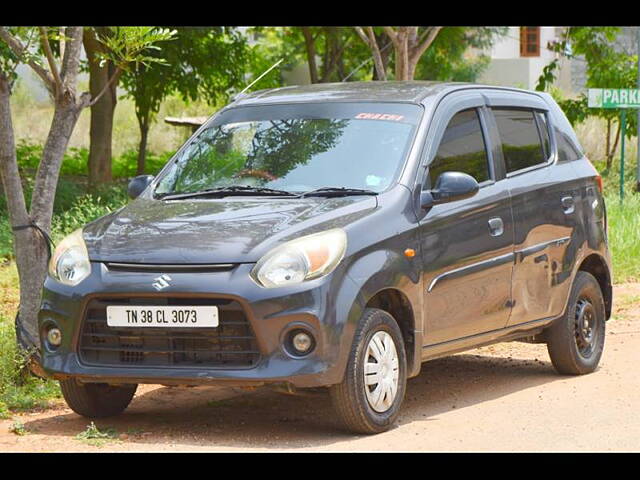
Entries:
{"x":521,"y":145}
{"x":462,"y":149}
{"x":297,"y":148}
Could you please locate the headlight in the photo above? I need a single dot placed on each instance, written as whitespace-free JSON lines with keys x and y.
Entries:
{"x":70,"y":262}
{"x":301,"y":259}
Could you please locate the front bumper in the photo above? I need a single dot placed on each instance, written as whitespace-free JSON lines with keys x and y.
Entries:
{"x":324,"y":306}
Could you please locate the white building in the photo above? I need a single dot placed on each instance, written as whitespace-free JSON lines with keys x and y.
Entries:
{"x":518,"y":59}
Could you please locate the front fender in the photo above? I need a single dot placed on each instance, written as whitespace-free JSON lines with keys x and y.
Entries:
{"x":386,"y":269}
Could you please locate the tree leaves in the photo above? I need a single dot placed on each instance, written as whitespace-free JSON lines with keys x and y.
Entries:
{"x":128,"y":47}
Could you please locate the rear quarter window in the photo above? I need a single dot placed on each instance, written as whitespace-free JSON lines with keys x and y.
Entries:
{"x":567,"y":150}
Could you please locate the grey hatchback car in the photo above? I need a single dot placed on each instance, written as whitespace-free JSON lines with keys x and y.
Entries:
{"x":338,"y":236}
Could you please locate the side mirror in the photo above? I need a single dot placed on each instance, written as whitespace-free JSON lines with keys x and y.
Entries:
{"x":138,"y":184}
{"x":450,"y":186}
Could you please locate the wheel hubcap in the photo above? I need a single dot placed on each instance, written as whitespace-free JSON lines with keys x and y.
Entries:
{"x":381,"y":372}
{"x":585,"y":327}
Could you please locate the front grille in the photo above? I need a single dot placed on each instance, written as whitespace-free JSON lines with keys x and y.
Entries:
{"x":230,"y":345}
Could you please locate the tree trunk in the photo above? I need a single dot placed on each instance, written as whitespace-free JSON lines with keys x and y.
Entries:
{"x":142,"y":150}
{"x":102,"y":112}
{"x":402,"y":55}
{"x":30,"y":247}
{"x":612,"y":153}
{"x":311,"y":53}
{"x":23,"y":240}
{"x":385,"y":54}
{"x":332,"y":53}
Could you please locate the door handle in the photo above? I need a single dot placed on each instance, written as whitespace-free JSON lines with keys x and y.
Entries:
{"x":496,"y":226}
{"x":568,"y":204}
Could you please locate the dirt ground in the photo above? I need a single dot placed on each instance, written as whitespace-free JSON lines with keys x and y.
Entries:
{"x":505,"y":397}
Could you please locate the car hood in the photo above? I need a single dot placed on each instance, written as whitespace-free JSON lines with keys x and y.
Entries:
{"x":229,"y":230}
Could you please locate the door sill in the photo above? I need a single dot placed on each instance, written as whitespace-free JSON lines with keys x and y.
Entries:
{"x":512,"y":332}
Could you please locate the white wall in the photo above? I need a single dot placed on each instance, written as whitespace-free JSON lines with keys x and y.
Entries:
{"x":508,"y":68}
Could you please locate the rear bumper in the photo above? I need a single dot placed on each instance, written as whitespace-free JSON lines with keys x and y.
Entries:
{"x":271,"y":313}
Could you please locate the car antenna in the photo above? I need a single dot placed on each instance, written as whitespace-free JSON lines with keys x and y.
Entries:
{"x":239,"y":95}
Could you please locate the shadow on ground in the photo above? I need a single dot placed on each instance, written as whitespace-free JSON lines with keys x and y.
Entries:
{"x":228,"y":418}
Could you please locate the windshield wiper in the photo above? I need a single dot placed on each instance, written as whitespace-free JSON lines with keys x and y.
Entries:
{"x":227,"y":191}
{"x":337,"y":192}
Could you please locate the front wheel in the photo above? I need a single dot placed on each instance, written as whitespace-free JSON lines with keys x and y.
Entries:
{"x":369,"y":397}
{"x":97,"y":400}
{"x":575,"y":342}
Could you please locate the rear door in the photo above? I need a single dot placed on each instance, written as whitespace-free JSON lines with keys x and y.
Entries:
{"x":543,"y":201}
{"x":467,"y":245}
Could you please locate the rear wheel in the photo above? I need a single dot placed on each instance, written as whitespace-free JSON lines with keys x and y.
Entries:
{"x":97,"y":400}
{"x":369,"y":397}
{"x":576,"y":341}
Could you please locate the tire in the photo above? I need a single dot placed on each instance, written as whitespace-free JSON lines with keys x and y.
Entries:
{"x":354,"y":406}
{"x":576,"y":341}
{"x":96,"y":400}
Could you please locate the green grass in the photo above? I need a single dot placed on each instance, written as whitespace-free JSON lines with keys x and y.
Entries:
{"x":18,"y":428}
{"x":96,"y":437}
{"x":20,"y":391}
{"x":624,"y":236}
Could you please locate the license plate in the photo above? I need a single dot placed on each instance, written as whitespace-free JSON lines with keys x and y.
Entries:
{"x":152,"y":316}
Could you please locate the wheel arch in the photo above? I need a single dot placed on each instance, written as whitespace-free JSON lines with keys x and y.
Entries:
{"x":397,"y":304}
{"x":597,"y":266}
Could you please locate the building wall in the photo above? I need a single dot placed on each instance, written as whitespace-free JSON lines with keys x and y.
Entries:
{"x":508,"y":68}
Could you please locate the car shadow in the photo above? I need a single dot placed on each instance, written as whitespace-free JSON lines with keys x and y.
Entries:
{"x":233,"y":418}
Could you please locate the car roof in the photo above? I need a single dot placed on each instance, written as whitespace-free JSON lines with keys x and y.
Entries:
{"x":374,"y":91}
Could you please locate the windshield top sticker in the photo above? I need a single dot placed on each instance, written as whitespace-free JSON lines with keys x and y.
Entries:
{"x":379,"y":116}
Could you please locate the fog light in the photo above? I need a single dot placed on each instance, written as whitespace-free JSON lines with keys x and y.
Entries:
{"x":302,"y":342}
{"x":54,"y":337}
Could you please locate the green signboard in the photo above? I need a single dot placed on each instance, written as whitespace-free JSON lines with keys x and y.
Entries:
{"x":622,"y":98}
{"x":614,"y":98}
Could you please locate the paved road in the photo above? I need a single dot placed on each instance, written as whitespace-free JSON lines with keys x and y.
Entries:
{"x":504,"y":397}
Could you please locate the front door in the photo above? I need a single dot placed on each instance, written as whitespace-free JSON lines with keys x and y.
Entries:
{"x":467,"y":245}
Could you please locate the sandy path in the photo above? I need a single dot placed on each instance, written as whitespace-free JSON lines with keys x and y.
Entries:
{"x":505,"y":397}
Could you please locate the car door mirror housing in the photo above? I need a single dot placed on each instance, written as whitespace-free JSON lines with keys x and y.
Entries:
{"x":138,"y":184}
{"x":450,"y":186}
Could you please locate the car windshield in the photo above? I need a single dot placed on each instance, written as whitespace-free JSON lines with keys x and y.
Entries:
{"x":296,"y":148}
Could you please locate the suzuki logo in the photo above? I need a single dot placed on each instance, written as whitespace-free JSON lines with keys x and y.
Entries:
{"x":161,"y":282}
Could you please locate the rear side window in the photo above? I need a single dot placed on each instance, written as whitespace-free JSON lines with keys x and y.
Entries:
{"x":519,"y":134}
{"x":462,"y":148}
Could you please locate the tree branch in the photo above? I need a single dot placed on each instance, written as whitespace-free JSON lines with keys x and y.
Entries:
{"x":46,"y":46}
{"x":392,"y":34}
{"x":426,"y":39}
{"x":71,"y":59}
{"x":362,"y":35}
{"x":16,"y":46}
{"x":377,"y":57}
{"x":114,"y":77}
